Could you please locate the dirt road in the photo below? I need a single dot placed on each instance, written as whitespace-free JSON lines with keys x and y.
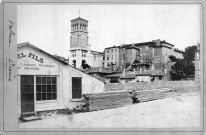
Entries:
{"x":180,"y":111}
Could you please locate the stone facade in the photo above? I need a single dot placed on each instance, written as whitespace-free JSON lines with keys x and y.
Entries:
{"x":156,"y":52}
{"x":111,"y":55}
{"x":197,"y":63}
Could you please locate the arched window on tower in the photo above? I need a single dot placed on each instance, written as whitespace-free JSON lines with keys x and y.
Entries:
{"x":74,"y":63}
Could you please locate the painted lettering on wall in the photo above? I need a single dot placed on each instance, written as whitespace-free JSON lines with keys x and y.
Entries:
{"x":25,"y":66}
{"x":30,"y":55}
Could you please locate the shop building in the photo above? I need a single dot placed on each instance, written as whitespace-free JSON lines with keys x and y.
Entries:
{"x":48,"y":83}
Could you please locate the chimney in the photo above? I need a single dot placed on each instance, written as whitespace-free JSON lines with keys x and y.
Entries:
{"x":140,"y":70}
{"x":123,"y":73}
{"x":158,"y":42}
{"x":67,"y":60}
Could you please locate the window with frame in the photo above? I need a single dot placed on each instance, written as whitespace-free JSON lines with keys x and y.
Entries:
{"x":46,"y":88}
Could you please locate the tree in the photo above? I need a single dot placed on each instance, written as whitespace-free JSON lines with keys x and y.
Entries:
{"x":189,"y":57}
{"x":189,"y":54}
{"x":85,"y":65}
{"x":172,"y":58}
{"x":184,"y":68}
{"x":135,"y":64}
{"x":177,"y":70}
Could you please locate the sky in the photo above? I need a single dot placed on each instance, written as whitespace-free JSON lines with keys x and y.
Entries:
{"x":48,"y":26}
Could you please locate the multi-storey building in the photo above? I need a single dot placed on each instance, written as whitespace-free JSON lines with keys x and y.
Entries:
{"x":111,"y":56}
{"x":80,"y":51}
{"x":128,"y":54}
{"x":155,"y":52}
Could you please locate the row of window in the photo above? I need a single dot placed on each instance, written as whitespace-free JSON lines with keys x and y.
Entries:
{"x":74,"y":54}
{"x":111,"y":57}
{"x":79,"y":26}
{"x":46,"y":88}
{"x":146,"y":47}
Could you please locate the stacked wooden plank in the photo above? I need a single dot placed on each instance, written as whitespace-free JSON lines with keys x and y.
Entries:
{"x":144,"y":96}
{"x":107,"y":100}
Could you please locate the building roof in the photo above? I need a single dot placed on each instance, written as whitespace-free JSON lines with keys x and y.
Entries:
{"x":94,"y":71}
{"x":114,"y":75}
{"x":150,"y":43}
{"x":79,"y":18}
{"x":152,"y":73}
{"x":132,"y":47}
{"x":97,"y":52}
{"x":131,"y":75}
{"x":112,"y":47}
{"x":128,"y":76}
{"x":179,"y":51}
{"x":40,"y":50}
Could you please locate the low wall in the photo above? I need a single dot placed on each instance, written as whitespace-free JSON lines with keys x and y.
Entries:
{"x":152,"y":85}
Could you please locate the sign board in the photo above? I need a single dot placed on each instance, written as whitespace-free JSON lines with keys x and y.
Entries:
{"x":31,"y":64}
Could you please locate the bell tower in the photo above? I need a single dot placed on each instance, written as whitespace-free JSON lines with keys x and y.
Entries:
{"x":79,"y":34}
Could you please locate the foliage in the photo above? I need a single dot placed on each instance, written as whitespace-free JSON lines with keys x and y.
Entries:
{"x":127,"y":64}
{"x":85,"y":65}
{"x":177,"y":70}
{"x":183,"y":68}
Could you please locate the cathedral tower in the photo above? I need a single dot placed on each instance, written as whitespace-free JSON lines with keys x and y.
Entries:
{"x":80,"y":53}
{"x":79,"y":34}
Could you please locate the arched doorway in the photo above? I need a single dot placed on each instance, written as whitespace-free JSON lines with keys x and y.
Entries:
{"x":83,"y":63}
{"x":74,"y":63}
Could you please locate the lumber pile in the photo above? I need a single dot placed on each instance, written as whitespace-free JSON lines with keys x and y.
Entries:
{"x":107,"y":100}
{"x":148,"y":95}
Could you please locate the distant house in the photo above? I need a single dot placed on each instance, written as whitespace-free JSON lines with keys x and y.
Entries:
{"x":197,"y":63}
{"x":98,"y":73}
{"x":145,"y":76}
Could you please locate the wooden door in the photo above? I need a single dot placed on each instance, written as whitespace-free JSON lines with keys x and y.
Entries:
{"x":76,"y":87}
{"x":27,"y":94}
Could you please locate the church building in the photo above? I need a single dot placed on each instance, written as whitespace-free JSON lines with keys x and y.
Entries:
{"x":80,"y":53}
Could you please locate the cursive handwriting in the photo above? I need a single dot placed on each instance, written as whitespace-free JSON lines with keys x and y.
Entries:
{"x":11,"y":64}
{"x":11,"y":32}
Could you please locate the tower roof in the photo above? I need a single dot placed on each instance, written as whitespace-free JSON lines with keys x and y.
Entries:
{"x":79,"y":18}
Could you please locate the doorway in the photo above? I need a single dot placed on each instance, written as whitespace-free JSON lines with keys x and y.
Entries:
{"x":27,"y":94}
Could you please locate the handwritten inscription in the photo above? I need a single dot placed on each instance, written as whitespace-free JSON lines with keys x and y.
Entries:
{"x":30,"y":55}
{"x":11,"y":32}
{"x":11,"y":65}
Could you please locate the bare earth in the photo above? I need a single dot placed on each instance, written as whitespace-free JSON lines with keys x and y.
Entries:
{"x":180,"y":111}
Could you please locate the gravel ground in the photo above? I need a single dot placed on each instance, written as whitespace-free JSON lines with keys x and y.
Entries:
{"x":179,"y":111}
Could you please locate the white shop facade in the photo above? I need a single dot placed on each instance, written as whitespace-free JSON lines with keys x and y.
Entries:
{"x":47,"y":83}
